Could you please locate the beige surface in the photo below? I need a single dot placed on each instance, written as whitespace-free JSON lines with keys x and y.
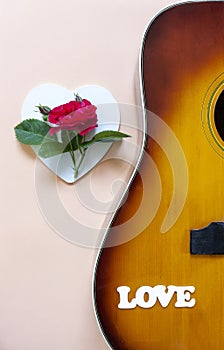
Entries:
{"x":45,"y":281}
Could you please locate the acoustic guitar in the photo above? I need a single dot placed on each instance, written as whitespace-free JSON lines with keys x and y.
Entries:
{"x":162,"y":287}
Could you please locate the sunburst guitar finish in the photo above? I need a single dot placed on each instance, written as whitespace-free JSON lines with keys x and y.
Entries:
{"x":173,"y":297}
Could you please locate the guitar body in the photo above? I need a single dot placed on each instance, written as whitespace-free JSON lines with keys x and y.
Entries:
{"x":182,"y":73}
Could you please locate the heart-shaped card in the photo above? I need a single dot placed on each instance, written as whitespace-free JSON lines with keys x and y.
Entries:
{"x":108,"y":116}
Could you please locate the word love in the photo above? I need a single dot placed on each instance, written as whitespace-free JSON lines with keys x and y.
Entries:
{"x":146,"y":296}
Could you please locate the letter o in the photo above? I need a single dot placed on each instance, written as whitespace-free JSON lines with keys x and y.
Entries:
{"x":140,"y":297}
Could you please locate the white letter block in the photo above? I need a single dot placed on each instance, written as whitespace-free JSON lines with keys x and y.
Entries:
{"x":151,"y":297}
{"x":124,"y":303}
{"x":163,"y":296}
{"x":184,"y":296}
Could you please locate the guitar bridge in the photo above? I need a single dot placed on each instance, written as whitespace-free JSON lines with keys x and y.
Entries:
{"x":209,"y":240}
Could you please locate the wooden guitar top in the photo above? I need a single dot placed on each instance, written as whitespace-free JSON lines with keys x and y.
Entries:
{"x":174,"y":297}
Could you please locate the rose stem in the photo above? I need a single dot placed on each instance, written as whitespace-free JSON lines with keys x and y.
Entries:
{"x":82,"y":152}
{"x":71,"y":151}
{"x":81,"y":160}
{"x":77,"y":141}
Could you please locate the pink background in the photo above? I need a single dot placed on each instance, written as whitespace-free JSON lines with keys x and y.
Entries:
{"x":45,"y":281}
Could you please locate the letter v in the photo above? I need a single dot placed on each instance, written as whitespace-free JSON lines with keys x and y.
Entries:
{"x":163,"y":296}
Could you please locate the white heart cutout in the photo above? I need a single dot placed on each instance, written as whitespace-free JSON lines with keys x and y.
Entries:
{"x":108,"y":115}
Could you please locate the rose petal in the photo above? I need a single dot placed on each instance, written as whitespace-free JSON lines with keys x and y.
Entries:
{"x":84,"y":132}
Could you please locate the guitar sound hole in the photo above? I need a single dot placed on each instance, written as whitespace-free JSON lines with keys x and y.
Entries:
{"x":219,"y":115}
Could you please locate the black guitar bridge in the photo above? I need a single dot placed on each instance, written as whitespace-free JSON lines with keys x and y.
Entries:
{"x":209,"y":240}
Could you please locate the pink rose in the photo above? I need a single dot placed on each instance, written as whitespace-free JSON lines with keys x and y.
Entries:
{"x":74,"y":115}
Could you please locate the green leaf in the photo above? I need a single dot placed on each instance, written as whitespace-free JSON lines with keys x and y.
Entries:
{"x":105,"y":136}
{"x":35,"y":132}
{"x":32,"y":131}
{"x":110,"y":134}
{"x":50,"y":148}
